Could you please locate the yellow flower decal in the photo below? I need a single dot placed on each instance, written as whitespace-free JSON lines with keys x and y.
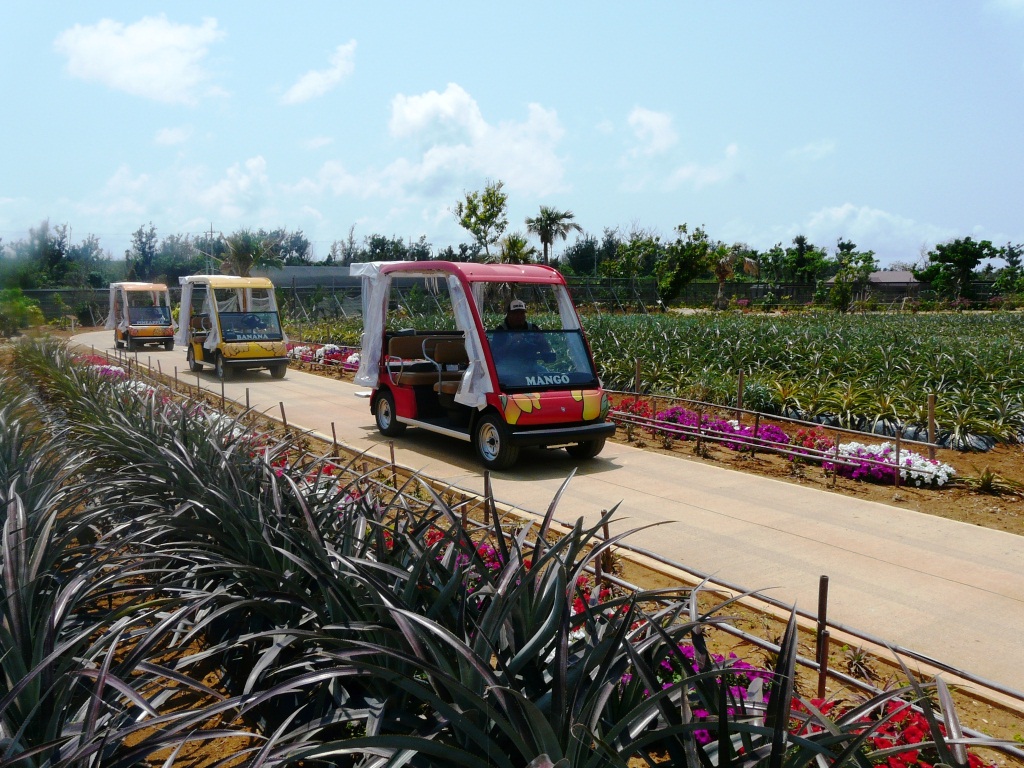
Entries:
{"x":516,"y":405}
{"x":593,"y":401}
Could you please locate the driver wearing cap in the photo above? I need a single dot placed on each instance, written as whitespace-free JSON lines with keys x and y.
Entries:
{"x":518,"y":337}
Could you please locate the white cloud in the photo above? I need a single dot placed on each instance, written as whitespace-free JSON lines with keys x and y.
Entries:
{"x":701,"y":176}
{"x":123,"y":195}
{"x":892,"y":236}
{"x":243,"y":192}
{"x":152,"y":58}
{"x":317,"y":82}
{"x":653,"y":132}
{"x":171,"y":136}
{"x":317,"y":142}
{"x":815,"y":150}
{"x":456,"y":147}
{"x":450,"y":116}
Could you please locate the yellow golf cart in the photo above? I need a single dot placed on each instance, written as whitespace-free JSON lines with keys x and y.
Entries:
{"x":232,"y":323}
{"x":140,"y":314}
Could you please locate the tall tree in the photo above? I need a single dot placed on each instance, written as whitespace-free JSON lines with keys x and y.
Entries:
{"x":418,"y":250}
{"x":551,"y":224}
{"x":951,"y":265}
{"x":178,"y":256}
{"x":853,"y":268}
{"x":725,"y":260}
{"x":383,"y":248}
{"x":245,"y":251}
{"x":293,"y":248}
{"x":516,"y":249}
{"x":484,"y":215}
{"x":142,"y":254}
{"x":804,"y":260}
{"x":687,"y":258}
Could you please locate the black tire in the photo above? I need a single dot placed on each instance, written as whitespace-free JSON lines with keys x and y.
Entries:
{"x":491,"y":439}
{"x":385,"y":415}
{"x":278,"y":371}
{"x":190,"y":356}
{"x":118,"y":344}
{"x":222,"y":371}
{"x":586,"y":450}
{"x":169,"y":345}
{"x":129,"y":342}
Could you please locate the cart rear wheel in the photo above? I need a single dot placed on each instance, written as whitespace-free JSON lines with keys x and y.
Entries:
{"x":385,"y":415}
{"x":587,"y":449}
{"x":190,"y":356}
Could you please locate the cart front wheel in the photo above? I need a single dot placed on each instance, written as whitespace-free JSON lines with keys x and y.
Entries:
{"x":492,"y":443}
{"x":222,"y":371}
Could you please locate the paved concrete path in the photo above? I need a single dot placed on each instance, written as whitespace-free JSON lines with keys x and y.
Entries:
{"x":946,"y":589}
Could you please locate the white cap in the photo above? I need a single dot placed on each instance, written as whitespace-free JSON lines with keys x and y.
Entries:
{"x":517,"y":304}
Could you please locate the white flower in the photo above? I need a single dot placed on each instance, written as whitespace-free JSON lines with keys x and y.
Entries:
{"x":913,"y":467}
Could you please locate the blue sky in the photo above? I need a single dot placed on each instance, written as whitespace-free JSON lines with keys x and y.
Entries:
{"x":897,"y":125}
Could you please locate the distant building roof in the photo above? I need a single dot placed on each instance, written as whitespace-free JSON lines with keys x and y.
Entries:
{"x":887,"y":277}
{"x":892,"y":276}
{"x":301,"y":277}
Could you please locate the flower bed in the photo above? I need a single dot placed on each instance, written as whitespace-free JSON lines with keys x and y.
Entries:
{"x":857,"y":461}
{"x":347,"y":358}
{"x":878,"y":463}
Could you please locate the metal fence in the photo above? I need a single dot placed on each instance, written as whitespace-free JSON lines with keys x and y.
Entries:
{"x":340,"y":296}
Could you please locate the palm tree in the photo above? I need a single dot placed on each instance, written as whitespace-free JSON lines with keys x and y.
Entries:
{"x":516,"y":250}
{"x":246,"y":250}
{"x":550,"y":224}
{"x":724,"y":262}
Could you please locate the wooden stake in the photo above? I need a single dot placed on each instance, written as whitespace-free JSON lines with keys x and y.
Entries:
{"x":823,"y":665}
{"x":607,"y":556}
{"x":897,"y":478}
{"x":822,"y":627}
{"x":931,"y":426}
{"x":739,"y":397}
{"x":394,"y":469}
{"x":835,"y":465}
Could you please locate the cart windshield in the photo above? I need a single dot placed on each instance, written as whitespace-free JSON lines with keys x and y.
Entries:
{"x":149,"y":315}
{"x":250,"y":326}
{"x":537,"y":360}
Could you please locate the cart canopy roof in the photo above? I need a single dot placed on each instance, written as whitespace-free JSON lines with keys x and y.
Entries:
{"x":477,"y":273}
{"x":135,"y":286}
{"x":228,"y":281}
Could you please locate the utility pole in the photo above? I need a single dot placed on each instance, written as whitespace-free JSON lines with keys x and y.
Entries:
{"x":209,"y":256}
{"x":209,"y":267}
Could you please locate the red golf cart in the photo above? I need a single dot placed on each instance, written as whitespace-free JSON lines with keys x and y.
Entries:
{"x":467,"y":371}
